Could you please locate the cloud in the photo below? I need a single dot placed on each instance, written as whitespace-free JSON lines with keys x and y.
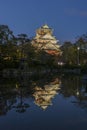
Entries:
{"x":75,"y":12}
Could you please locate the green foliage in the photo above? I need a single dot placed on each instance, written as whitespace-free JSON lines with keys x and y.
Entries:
{"x":6,"y":35}
{"x":71,"y":54}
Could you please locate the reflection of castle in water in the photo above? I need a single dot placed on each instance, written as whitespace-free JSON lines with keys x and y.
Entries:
{"x":43,"y":96}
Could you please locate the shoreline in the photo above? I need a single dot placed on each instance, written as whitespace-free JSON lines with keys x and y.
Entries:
{"x":36,"y":71}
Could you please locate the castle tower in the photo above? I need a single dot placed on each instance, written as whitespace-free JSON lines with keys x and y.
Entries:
{"x":45,"y":40}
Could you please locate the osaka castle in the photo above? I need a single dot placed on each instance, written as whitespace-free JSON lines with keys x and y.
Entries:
{"x":44,"y":40}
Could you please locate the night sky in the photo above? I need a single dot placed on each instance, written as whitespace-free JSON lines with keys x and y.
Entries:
{"x":68,"y":18}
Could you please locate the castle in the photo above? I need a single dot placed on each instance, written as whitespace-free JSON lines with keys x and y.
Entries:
{"x":44,"y":40}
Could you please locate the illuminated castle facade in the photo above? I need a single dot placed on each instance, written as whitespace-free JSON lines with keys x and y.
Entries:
{"x":45,"y":40}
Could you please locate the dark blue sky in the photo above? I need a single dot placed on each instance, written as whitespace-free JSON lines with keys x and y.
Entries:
{"x":68,"y":18}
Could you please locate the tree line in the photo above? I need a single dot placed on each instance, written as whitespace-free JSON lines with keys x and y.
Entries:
{"x":75,"y":53}
{"x":13,"y":49}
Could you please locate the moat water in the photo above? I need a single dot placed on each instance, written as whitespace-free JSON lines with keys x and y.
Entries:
{"x":48,"y":102}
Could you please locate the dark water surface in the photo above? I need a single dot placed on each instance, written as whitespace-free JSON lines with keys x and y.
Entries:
{"x":49,"y":102}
